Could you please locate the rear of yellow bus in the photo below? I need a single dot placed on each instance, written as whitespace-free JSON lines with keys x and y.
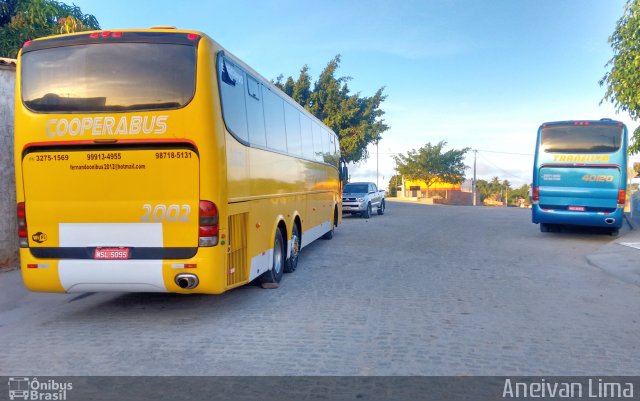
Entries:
{"x":112,"y":133}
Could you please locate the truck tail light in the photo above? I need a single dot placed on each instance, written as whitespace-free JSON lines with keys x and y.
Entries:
{"x":22,"y":225}
{"x":208,"y":224}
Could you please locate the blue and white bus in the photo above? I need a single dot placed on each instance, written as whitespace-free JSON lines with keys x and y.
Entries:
{"x":580,"y":174}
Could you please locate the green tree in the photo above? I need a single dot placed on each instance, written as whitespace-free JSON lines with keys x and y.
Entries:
{"x":302,"y":87}
{"x":23,"y":20}
{"x":394,"y":183}
{"x":623,"y":79}
{"x":492,"y":190}
{"x":504,"y":190}
{"x":288,"y":86}
{"x":357,"y":120}
{"x":431,"y":165}
{"x":484,"y":189}
{"x":519,"y":193}
{"x":495,"y":186}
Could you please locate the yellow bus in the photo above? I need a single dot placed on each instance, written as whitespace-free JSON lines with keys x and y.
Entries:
{"x":153,"y":160}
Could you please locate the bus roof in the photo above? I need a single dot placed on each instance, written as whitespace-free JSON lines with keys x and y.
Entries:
{"x":607,"y":121}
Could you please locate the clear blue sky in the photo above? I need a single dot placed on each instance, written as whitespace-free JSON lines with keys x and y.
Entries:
{"x":479,"y":74}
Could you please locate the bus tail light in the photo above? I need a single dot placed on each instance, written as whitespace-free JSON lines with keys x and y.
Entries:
{"x":535,"y":195}
{"x":105,"y":34}
{"x":22,"y":226}
{"x":622,"y":197}
{"x":208,"y":224}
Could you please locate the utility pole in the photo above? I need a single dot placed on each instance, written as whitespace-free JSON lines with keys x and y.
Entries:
{"x":506,"y":196}
{"x":377,"y":157}
{"x":474,"y":187}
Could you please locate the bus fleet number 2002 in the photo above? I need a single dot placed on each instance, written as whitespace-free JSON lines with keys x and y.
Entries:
{"x":170,"y":213}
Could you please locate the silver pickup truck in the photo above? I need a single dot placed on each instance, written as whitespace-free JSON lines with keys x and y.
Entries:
{"x":361,"y":197}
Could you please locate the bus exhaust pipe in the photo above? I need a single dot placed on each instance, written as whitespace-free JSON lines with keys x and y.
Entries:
{"x":609,"y":220}
{"x":187,"y":281}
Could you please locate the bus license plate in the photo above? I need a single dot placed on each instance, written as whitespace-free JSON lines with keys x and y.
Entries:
{"x":111,"y":253}
{"x":576,"y":208}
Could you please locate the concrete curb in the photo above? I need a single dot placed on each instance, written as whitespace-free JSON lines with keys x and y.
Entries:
{"x":620,"y":258}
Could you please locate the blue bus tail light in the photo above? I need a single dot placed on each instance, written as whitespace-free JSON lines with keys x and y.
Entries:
{"x":622,"y":197}
{"x":535,"y":195}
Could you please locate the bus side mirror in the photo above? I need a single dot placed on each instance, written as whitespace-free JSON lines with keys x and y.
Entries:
{"x":344,"y":173}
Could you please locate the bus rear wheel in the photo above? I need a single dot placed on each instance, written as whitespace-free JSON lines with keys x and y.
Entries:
{"x":292,"y":262}
{"x":271,"y":278}
{"x":545,"y":228}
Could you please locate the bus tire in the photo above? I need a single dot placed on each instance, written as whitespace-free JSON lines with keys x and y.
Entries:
{"x":614,"y":232}
{"x":381,"y":208}
{"x":544,"y":228}
{"x":271,"y":278}
{"x":367,"y":213}
{"x":292,"y":262}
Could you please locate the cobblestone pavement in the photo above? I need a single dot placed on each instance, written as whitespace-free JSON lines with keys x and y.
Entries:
{"x":421,"y":290}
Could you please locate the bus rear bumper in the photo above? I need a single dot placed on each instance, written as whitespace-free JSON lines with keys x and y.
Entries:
{"x":133,"y":275}
{"x":566,"y":217}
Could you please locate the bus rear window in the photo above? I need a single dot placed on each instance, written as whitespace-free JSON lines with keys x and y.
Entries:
{"x":109,"y":77}
{"x":594,"y":138}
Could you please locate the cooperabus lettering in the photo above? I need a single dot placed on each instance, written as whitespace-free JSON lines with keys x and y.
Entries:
{"x":106,"y":126}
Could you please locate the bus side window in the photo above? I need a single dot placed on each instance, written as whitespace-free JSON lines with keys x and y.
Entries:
{"x":292,"y":121}
{"x":232,"y":96}
{"x":317,"y":142}
{"x":307,"y":137}
{"x":255,"y":113}
{"x":332,"y":150}
{"x":326,"y":146}
{"x":274,"y":120}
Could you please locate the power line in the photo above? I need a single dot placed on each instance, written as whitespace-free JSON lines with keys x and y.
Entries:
{"x":506,"y":153}
{"x":503,"y":171}
{"x":479,"y":150}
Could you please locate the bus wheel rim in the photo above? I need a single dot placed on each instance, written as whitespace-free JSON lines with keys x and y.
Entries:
{"x":277,"y":257}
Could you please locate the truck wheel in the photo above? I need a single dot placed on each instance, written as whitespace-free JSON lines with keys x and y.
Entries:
{"x":292,"y":262}
{"x":544,"y":228}
{"x":381,"y":208}
{"x":367,"y":213}
{"x":271,"y":278}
